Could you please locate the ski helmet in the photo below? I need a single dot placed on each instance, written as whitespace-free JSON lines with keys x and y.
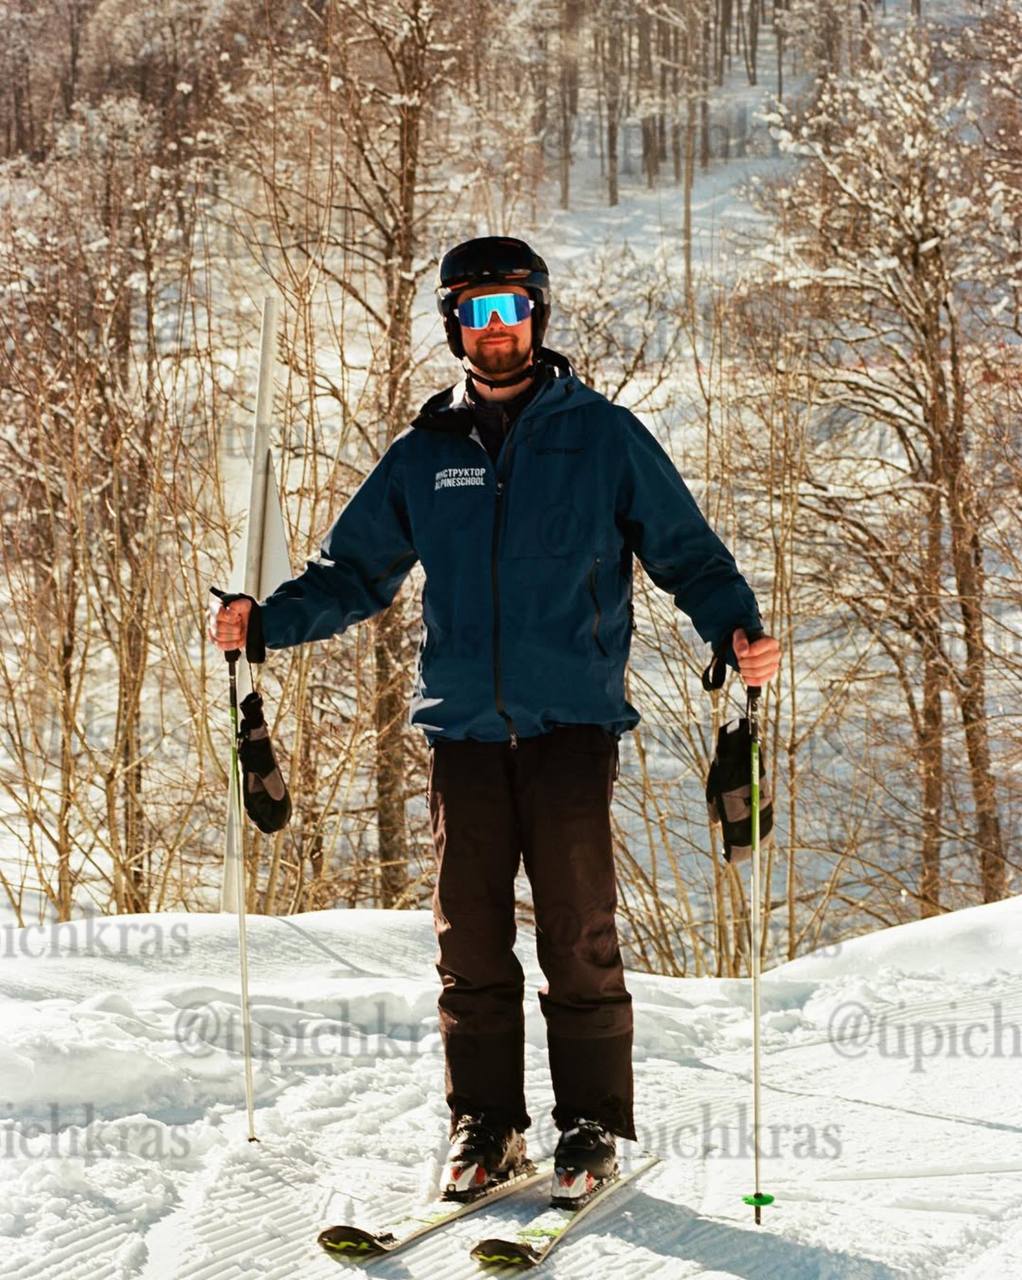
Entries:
{"x":492,"y":260}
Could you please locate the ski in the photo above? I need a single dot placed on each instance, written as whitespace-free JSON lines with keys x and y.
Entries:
{"x":356,"y":1244}
{"x":534,"y":1241}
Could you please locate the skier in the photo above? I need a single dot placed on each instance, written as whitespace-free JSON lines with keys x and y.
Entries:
{"x":525,"y":494}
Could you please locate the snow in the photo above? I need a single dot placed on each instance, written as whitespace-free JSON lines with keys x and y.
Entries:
{"x":124,"y":1124}
{"x":980,"y":940}
{"x":891,"y":1105}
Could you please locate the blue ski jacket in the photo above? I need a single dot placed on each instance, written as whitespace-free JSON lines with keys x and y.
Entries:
{"x":526,"y":610}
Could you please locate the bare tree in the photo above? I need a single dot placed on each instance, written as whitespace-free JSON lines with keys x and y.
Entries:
{"x":894,"y":256}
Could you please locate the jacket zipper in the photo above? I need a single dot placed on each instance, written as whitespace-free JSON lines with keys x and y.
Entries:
{"x":494,"y":543}
{"x":596,"y":605}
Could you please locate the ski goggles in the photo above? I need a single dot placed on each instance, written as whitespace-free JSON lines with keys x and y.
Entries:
{"x":510,"y":308}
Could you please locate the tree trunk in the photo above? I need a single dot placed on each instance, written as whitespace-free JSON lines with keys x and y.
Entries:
{"x":724,"y":39}
{"x":649,"y":138}
{"x":389,"y":705}
{"x":704,"y":97}
{"x":132,"y":671}
{"x":752,"y":43}
{"x":612,"y":46}
{"x":691,"y":54}
{"x":390,"y":756}
{"x":570,"y":15}
{"x":664,"y":50}
{"x":65,"y":881}
{"x":967,"y":559}
{"x":69,"y":78}
{"x":931,"y":744}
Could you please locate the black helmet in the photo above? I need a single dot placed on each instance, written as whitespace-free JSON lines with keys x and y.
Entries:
{"x":497,"y":259}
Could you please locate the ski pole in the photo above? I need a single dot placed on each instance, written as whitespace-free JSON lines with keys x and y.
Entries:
{"x":234,"y":804}
{"x":713,"y":678}
{"x":758,"y":1198}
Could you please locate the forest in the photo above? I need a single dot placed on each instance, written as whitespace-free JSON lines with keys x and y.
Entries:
{"x":787,"y":235}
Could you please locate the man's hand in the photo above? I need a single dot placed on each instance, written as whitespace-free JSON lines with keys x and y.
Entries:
{"x":228,"y":624}
{"x":757,"y":662}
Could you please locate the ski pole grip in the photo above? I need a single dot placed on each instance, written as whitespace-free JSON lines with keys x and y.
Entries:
{"x":230,"y":655}
{"x":753,"y":690}
{"x":716,"y":671}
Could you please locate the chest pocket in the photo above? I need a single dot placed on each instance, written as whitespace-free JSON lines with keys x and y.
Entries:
{"x":552,"y":505}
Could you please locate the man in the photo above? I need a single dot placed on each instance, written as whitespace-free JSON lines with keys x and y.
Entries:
{"x":525,"y":494}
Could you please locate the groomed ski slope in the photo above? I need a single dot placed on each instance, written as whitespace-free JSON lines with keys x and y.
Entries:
{"x":124,"y":1121}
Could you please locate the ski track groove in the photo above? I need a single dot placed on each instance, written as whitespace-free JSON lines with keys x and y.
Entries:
{"x":262,"y":1214}
{"x":70,"y":1259}
{"x":256,"y":1211}
{"x":895,"y":1015}
{"x":262,"y":1218}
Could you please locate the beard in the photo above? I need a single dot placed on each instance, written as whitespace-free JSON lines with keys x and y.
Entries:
{"x":501,"y":357}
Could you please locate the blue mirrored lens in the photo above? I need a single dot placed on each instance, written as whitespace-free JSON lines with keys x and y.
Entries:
{"x":511,"y":308}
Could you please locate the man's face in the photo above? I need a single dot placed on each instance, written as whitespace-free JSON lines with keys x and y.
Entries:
{"x":499,"y":348}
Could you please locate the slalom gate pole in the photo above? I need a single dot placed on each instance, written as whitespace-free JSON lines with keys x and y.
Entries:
{"x":234,"y":792}
{"x":758,"y":1198}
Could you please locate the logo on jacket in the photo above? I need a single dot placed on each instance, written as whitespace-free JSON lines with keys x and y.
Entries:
{"x":456,"y":477}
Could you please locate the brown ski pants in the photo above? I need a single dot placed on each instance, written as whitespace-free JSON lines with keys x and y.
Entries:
{"x":547,"y":802}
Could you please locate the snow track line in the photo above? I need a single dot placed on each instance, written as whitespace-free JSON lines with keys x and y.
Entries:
{"x":926,"y":1171}
{"x":261,"y":1227}
{"x":898,"y":1015}
{"x":974,"y":1122}
{"x":253,"y":1211}
{"x":74,"y":1259}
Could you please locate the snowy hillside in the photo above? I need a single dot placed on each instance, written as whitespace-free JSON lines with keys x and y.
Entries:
{"x":893,"y":1139}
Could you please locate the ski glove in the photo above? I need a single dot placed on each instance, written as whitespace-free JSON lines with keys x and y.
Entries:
{"x":729,"y":791}
{"x":264,"y":790}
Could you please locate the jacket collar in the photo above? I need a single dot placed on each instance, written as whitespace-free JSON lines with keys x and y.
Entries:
{"x":451,"y":411}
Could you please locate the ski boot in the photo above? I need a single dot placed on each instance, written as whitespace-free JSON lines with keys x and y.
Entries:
{"x":585,"y":1159}
{"x":481,"y":1154}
